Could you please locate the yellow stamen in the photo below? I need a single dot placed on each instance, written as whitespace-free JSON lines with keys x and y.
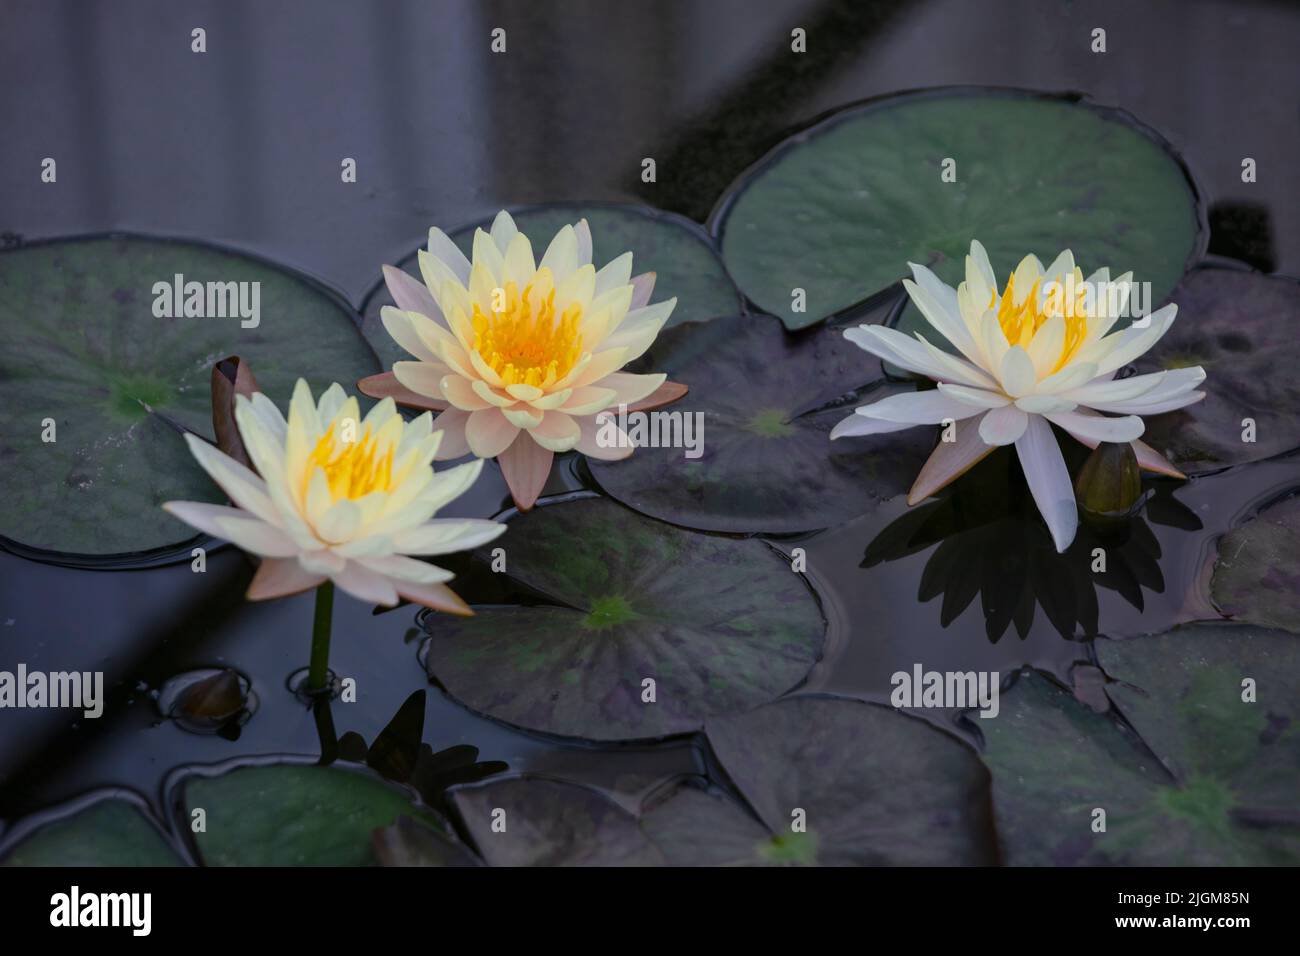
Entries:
{"x":353,"y":469}
{"x":1021,"y":322}
{"x":525,"y":343}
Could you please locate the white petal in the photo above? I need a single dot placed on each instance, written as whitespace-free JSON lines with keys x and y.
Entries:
{"x":1002,"y":426}
{"x":1098,"y":427}
{"x":257,"y":537}
{"x":1017,"y":372}
{"x":930,"y":407}
{"x":856,"y":425}
{"x":245,"y":489}
{"x":981,"y":397}
{"x":444,"y":250}
{"x":445,"y":535}
{"x":1049,"y":481}
{"x":365,"y":584}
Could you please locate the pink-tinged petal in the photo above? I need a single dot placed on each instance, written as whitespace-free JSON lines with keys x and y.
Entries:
{"x":643,"y":286}
{"x":365,"y":584}
{"x":386,"y":385}
{"x":1099,"y":427}
{"x":488,"y":432}
{"x":421,"y":378}
{"x":523,"y":416}
{"x":524,"y":393}
{"x":412,"y":295}
{"x":630,"y":388}
{"x":588,"y":400}
{"x":257,"y":537}
{"x":601,"y":364}
{"x":555,"y":399}
{"x":438,"y":597}
{"x":665,"y":394}
{"x":525,"y":465}
{"x":1049,"y":481}
{"x":557,"y":431}
{"x":1151,"y":460}
{"x":461,"y":394}
{"x":280,"y":577}
{"x":452,"y":423}
{"x":491,"y":396}
{"x":949,"y":461}
{"x":1002,"y":426}
{"x":601,"y":438}
{"x":857,"y":425}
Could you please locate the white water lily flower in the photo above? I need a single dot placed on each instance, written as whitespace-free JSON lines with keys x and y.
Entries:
{"x":1040,"y":353}
{"x":339,"y":497}
{"x":519,"y":356}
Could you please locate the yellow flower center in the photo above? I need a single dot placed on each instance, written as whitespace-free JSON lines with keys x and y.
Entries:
{"x":1021,"y":322}
{"x":353,"y":468}
{"x":524,"y":341}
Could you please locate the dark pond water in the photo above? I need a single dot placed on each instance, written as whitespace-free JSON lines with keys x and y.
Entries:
{"x":244,"y":148}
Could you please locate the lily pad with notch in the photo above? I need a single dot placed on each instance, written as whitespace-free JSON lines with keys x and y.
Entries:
{"x":839,"y":209}
{"x":872,"y":785}
{"x":95,"y":388}
{"x":766,"y":464}
{"x":1198,"y":771}
{"x":296,"y":815}
{"x":679,"y":251}
{"x":719,"y":625}
{"x":1241,"y":327}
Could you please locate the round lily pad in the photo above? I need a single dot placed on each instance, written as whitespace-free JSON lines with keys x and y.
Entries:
{"x":868,"y":784}
{"x":715,"y":625}
{"x":1241,"y":327}
{"x":291,"y":815}
{"x":1209,"y":778}
{"x":1257,"y":573}
{"x":111,"y":832}
{"x":536,"y":821}
{"x":762,"y":404}
{"x":95,"y":388}
{"x":679,"y":251}
{"x":840,"y":209}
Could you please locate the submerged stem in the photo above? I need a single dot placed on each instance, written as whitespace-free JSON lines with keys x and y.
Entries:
{"x":318,"y":673}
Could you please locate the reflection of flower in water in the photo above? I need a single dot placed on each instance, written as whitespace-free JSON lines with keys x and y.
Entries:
{"x":992,"y":544}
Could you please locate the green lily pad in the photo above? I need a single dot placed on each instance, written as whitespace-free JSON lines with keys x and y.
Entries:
{"x":680,"y":253}
{"x":84,"y":349}
{"x":766,"y":463}
{"x":535,"y":821}
{"x":111,"y":832}
{"x":719,"y":625}
{"x":294,"y":815}
{"x":1241,"y":327}
{"x":1256,"y":577}
{"x":840,"y":209}
{"x":875,"y":786}
{"x":1210,"y":780}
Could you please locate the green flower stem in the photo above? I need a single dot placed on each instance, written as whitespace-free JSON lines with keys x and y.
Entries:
{"x":318,"y":674}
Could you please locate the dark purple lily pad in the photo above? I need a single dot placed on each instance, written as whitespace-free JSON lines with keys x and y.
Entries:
{"x":1242,"y":328}
{"x":1209,"y":780}
{"x":768,"y":401}
{"x":536,"y":821}
{"x":1257,"y":573}
{"x":874,"y":786}
{"x":720,"y":625}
